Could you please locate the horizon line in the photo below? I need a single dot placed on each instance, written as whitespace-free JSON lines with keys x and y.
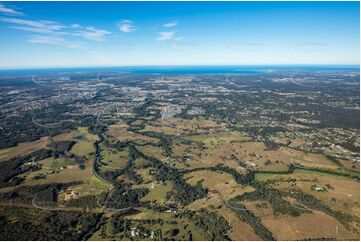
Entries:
{"x":173,"y":65}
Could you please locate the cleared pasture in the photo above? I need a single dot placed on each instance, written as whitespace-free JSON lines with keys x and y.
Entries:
{"x":69,"y":174}
{"x":23,"y":149}
{"x":341,"y":193}
{"x":256,"y":155}
{"x":153,"y":151}
{"x":316,"y":225}
{"x":158,"y":192}
{"x":313,"y":225}
{"x":114,"y":159}
{"x":120,"y":132}
{"x":221,"y":182}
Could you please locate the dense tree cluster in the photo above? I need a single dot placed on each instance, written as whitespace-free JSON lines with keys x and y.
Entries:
{"x":51,"y":225}
{"x":274,"y":197}
{"x":313,"y":203}
{"x":215,"y":226}
{"x":256,"y":223}
{"x":62,"y":146}
{"x":46,"y":193}
{"x":121,"y":197}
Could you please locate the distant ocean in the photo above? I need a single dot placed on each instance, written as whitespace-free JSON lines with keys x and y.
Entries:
{"x":247,"y":70}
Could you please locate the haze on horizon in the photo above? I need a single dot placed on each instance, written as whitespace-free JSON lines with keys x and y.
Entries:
{"x":59,"y":34}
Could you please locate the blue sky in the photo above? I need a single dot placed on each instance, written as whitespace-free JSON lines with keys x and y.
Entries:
{"x":41,"y":34}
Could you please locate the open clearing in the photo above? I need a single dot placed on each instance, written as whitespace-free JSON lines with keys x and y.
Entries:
{"x":65,"y":171}
{"x":145,"y":174}
{"x":69,"y":174}
{"x":158,"y":192}
{"x":153,"y":151}
{"x":195,"y":155}
{"x":221,"y":182}
{"x":257,"y":155}
{"x":76,"y":135}
{"x":343,"y":193}
{"x":307,"y":226}
{"x":113,"y":158}
{"x":83,"y":148}
{"x":23,"y":149}
{"x":140,"y":162}
{"x":178,"y":126}
{"x":239,"y":230}
{"x":91,"y":186}
{"x":338,"y":192}
{"x":120,"y":132}
{"x":85,"y":143}
{"x":214,"y":139}
{"x":314,"y":225}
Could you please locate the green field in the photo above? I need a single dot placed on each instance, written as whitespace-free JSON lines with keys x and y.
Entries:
{"x":158,"y":192}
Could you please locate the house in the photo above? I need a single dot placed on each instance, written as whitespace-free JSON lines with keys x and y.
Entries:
{"x":319,"y":189}
{"x":75,"y":194}
{"x":134,"y":232}
{"x":152,"y":235}
{"x":171,"y":210}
